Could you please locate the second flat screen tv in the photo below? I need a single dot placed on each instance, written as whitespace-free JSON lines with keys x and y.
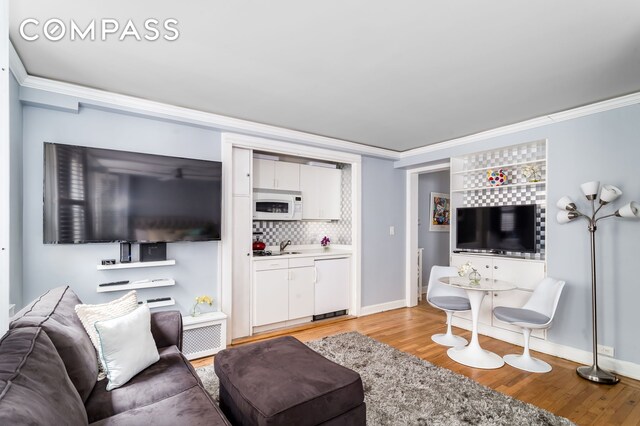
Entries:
{"x":94,"y":195}
{"x":497,"y":228}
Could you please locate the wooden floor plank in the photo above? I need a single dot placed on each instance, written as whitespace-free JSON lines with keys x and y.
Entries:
{"x":561,"y":391}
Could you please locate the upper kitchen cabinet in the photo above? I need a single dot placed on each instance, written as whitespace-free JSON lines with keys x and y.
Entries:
{"x":321,"y":192}
{"x":270,"y":174}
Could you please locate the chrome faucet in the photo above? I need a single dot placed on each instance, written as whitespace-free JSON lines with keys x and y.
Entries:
{"x":284,"y":244}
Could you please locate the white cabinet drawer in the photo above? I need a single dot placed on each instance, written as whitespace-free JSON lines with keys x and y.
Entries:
{"x":299,"y":262}
{"x":265,"y":265}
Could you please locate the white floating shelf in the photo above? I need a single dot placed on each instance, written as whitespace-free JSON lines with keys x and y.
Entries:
{"x":503,"y":166}
{"x":137,"y":285}
{"x":152,"y":305}
{"x":511,"y":185}
{"x":136,"y":265}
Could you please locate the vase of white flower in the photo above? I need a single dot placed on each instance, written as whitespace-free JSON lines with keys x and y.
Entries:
{"x":195,"y":311}
{"x":474,"y":276}
{"x":463,"y":269}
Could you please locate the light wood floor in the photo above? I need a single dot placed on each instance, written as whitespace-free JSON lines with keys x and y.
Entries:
{"x":561,"y":391}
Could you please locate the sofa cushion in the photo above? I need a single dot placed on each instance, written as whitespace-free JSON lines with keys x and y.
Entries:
{"x":126,"y":346}
{"x":192,"y":407}
{"x":281,"y":382}
{"x":55,"y":312}
{"x":171,"y":375}
{"x":90,"y":314}
{"x":34,"y":386}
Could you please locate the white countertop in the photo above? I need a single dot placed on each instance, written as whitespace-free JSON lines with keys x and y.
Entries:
{"x":306,"y":251}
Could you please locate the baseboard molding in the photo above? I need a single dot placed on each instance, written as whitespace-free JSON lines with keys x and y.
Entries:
{"x":623,"y":368}
{"x":387,"y":306}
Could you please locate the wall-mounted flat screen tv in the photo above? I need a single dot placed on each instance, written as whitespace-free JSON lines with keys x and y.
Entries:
{"x":497,"y":228}
{"x":94,"y":195}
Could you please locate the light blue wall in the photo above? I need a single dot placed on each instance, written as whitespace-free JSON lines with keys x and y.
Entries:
{"x":46,"y":266}
{"x":15,"y":191}
{"x":435,"y":244}
{"x":605,"y":147}
{"x":383,"y":205}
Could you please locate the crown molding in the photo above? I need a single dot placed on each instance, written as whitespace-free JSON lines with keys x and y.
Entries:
{"x":16,"y":66}
{"x":124,"y":103}
{"x":145,"y":107}
{"x":557,"y":117}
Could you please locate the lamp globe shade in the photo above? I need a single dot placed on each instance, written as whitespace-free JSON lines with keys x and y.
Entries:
{"x":609,"y":193}
{"x":590,"y":189}
{"x":630,"y":211}
{"x":566,"y":203}
{"x":565,"y":216}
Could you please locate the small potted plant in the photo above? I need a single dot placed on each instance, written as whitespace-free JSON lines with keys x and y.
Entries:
{"x":325,"y":242}
{"x":195,"y":311}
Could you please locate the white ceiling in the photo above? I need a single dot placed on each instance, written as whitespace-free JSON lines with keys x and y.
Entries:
{"x":397,"y":75}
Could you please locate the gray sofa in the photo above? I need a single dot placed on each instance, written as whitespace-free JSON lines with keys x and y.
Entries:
{"x":48,"y":373}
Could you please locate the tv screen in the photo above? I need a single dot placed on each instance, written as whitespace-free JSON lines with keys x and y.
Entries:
{"x":500,"y":228}
{"x":94,"y":195}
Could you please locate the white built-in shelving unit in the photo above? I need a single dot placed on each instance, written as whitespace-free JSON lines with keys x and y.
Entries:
{"x":140,"y":284}
{"x":470,"y":188}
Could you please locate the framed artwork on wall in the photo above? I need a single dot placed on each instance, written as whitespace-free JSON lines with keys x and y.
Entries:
{"x":439,"y":214}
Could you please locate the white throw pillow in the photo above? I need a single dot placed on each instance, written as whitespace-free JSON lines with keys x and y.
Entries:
{"x":126,"y":346}
{"x":89,"y":314}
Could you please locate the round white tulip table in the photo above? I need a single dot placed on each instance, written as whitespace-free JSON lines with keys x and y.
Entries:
{"x":473,"y":355}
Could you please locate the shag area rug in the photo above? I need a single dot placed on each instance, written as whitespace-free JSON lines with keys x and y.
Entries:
{"x":402,"y":389}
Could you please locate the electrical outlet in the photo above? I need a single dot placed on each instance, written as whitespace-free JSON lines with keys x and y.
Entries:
{"x":392,"y":230}
{"x":605,"y":350}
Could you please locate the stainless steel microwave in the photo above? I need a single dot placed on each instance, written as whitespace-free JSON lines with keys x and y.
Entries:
{"x":277,"y":205}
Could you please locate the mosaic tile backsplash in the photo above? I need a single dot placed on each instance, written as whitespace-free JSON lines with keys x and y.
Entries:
{"x":311,"y":232}
{"x":510,"y":195}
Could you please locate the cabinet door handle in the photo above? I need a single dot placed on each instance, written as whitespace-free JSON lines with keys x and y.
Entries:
{"x":486,"y":266}
{"x":495,"y":267}
{"x":248,"y":174}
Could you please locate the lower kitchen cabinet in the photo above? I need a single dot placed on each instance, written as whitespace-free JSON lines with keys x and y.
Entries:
{"x":271,"y":289}
{"x":291,"y":291}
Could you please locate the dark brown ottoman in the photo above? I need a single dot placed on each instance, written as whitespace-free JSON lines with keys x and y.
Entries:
{"x":283,"y":382}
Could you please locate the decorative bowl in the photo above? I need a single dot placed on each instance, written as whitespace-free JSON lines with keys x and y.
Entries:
{"x":497,"y":178}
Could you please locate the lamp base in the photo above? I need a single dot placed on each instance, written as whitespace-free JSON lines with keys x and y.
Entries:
{"x":596,"y":374}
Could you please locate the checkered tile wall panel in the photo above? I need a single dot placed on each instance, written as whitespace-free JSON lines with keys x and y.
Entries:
{"x":302,"y":233}
{"x":499,"y":196}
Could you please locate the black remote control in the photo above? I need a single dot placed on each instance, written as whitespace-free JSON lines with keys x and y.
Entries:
{"x":114,"y":283}
{"x":159,"y":299}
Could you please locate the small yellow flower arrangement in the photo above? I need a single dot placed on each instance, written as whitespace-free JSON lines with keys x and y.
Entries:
{"x":195,"y":311}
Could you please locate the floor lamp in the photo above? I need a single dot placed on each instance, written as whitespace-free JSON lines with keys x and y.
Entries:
{"x":608,"y":193}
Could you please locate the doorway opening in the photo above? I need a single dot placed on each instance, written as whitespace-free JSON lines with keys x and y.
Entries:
{"x":428,"y":242}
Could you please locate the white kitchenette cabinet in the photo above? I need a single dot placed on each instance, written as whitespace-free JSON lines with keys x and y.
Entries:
{"x":332,"y":285}
{"x":281,"y":175}
{"x":321,"y":192}
{"x":271,"y":289}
